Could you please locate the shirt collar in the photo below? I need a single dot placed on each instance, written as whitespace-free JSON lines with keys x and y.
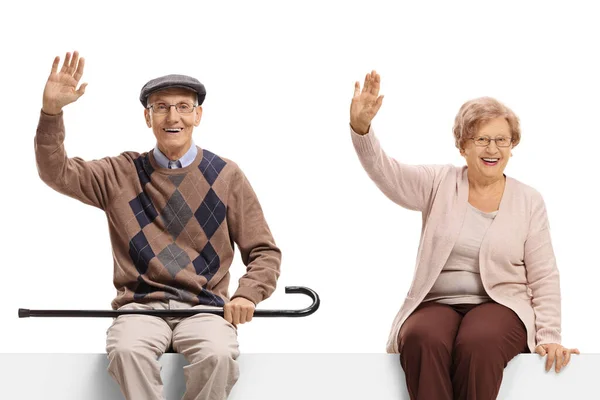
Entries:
{"x":185,"y":160}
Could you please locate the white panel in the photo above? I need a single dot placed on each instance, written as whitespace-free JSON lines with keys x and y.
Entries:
{"x":282,"y":376}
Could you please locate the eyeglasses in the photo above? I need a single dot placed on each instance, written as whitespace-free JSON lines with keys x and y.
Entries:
{"x":163,"y":108}
{"x":501,"y":141}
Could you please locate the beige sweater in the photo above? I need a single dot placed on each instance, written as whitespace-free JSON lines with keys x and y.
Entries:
{"x":517,"y":264}
{"x":172,"y":230}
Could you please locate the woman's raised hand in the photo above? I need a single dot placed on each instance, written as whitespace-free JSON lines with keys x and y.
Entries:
{"x":365,"y":103}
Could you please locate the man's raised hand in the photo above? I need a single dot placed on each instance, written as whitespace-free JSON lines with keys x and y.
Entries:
{"x":61,"y":87}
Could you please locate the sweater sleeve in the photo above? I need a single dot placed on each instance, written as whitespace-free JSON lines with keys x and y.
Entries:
{"x":410,"y":186}
{"x":543,"y":276}
{"x":249,"y":230}
{"x":92,"y":182}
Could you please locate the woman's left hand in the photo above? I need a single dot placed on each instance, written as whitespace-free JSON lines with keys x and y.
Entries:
{"x":555,"y":351}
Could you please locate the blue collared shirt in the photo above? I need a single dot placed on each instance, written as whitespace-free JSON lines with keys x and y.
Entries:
{"x":183,"y":162}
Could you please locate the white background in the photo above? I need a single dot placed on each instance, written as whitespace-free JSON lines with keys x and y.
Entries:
{"x":280,"y":77}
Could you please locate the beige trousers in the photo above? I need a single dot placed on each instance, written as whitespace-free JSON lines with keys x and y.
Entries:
{"x":208,"y":342}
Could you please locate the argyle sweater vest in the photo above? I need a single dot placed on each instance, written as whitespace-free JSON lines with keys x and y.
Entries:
{"x":172,"y":230}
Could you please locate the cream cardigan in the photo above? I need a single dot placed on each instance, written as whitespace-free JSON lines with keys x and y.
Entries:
{"x":517,"y":263}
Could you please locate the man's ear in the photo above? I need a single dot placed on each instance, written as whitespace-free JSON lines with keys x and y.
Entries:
{"x":198,"y":115}
{"x":147,"y":117}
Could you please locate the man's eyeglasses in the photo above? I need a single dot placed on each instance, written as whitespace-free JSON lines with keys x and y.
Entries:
{"x":164,"y":108}
{"x":482,"y":141}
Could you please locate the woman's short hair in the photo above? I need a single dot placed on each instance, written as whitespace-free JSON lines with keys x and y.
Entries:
{"x":478,"y":111}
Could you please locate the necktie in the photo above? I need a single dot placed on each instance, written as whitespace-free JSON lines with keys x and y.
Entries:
{"x":174,"y":164}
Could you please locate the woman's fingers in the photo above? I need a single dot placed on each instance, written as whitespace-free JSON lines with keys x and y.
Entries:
{"x":541,"y":350}
{"x":378,"y":103}
{"x":550,"y":359}
{"x":560,"y":358}
{"x":356,"y":89}
{"x":375,"y":80}
{"x":567,"y":358}
{"x":568,"y":355}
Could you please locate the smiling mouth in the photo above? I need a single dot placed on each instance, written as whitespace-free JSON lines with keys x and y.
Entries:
{"x":172,"y":131}
{"x":490,"y":161}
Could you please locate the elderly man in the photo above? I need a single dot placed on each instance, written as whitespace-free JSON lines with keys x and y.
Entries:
{"x":173,"y":213}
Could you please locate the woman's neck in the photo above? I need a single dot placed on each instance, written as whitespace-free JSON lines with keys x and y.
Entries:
{"x":487,"y":187}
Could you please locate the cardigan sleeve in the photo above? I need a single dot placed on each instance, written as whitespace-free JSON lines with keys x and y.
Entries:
{"x":543,"y":275}
{"x":410,"y":186}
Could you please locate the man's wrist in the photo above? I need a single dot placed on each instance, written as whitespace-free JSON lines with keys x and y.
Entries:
{"x":243,"y":297}
{"x":51,"y":110}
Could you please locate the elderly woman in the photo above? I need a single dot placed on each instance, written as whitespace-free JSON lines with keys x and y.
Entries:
{"x":486,"y":285}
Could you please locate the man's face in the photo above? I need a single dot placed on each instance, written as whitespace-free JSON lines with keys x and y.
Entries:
{"x":173,"y":130}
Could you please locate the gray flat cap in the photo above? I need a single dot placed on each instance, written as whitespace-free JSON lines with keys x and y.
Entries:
{"x":171,"y":81}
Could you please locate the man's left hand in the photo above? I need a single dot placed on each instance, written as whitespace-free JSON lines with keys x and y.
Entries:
{"x":238,"y":311}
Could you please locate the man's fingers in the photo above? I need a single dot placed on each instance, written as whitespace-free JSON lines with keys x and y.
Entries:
{"x":71,"y":65}
{"x":79,"y":71}
{"x":74,"y":62}
{"x":227,"y":313}
{"x":81,"y":89}
{"x":55,"y":65}
{"x":244,"y":315}
{"x":236,"y":315}
{"x":575,"y":351}
{"x":240,"y":314}
{"x":66,"y":63}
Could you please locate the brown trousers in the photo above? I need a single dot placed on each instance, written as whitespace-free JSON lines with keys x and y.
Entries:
{"x":459,"y":351}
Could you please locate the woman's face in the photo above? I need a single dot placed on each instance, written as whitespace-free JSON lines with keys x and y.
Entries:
{"x":487,"y":161}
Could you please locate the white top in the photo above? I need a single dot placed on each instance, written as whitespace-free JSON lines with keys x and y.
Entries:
{"x":460,"y":282}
